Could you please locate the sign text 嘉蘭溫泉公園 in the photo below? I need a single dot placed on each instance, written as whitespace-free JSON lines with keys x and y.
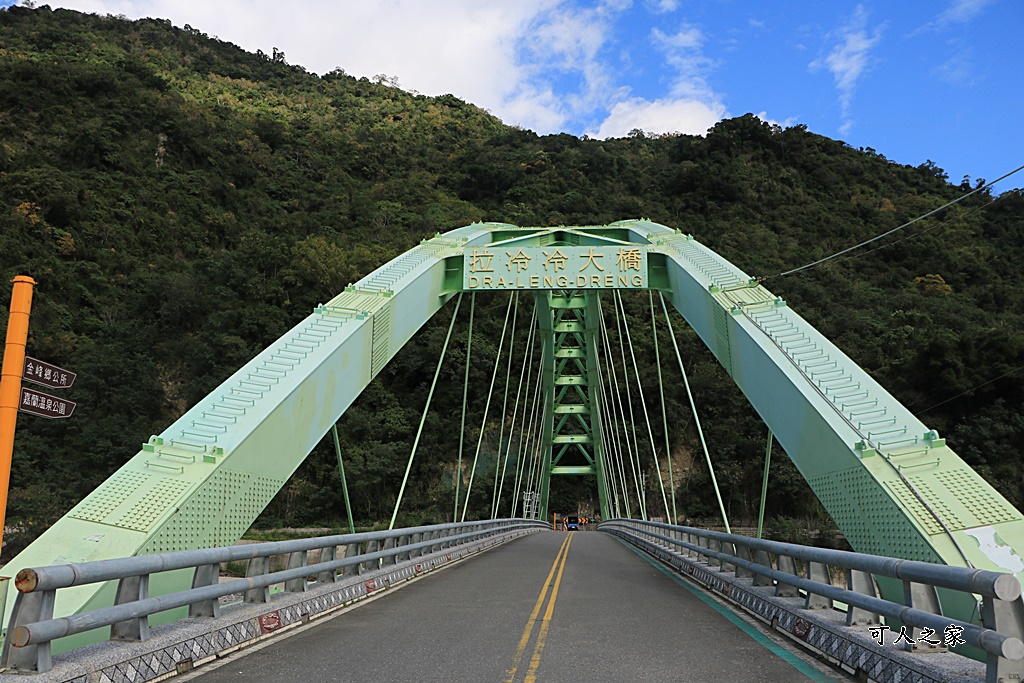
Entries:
{"x":44,"y":405}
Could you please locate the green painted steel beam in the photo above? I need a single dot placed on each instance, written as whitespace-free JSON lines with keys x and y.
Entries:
{"x":573,"y":301}
{"x":577,"y":408}
{"x":573,"y":470}
{"x":571,"y":438}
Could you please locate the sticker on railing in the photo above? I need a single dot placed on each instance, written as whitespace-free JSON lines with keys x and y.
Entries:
{"x":801,"y":628}
{"x":270,"y":622}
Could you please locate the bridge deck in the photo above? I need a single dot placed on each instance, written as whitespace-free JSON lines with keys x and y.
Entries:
{"x":615,"y":616}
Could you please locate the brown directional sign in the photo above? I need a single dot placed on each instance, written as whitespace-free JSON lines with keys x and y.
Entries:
{"x":48,"y":375}
{"x":44,"y":405}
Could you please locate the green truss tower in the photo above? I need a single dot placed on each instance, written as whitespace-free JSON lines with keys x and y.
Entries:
{"x":571,"y":429}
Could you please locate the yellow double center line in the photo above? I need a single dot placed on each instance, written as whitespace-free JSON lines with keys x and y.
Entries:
{"x":538,"y":648}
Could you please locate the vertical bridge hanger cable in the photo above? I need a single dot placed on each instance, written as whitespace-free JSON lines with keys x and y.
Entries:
{"x":616,"y":393}
{"x":696,"y":418}
{"x":635,"y":453}
{"x":465,"y":393}
{"x":423,"y":419}
{"x":527,"y":410}
{"x":515,"y":411}
{"x":487,"y":406}
{"x":610,"y":437}
{"x":674,"y":519}
{"x":609,"y":427}
{"x":643,"y":405}
{"x":504,"y":410}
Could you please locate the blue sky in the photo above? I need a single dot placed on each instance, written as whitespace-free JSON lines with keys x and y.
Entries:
{"x":914,"y":80}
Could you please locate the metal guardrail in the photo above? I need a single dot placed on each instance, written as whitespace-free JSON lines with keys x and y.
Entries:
{"x":32,"y":628}
{"x":1002,"y":610}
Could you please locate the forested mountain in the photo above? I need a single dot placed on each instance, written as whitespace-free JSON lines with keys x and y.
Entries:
{"x":182,"y":203}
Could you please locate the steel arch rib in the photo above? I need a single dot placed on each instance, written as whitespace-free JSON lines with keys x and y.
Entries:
{"x":205,"y":479}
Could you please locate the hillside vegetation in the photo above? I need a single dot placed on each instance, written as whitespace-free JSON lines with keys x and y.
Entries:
{"x":182,"y":203}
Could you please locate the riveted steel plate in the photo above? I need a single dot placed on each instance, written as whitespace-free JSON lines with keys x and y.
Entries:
{"x":156,"y":499}
{"x":980,"y":499}
{"x":110,"y":494}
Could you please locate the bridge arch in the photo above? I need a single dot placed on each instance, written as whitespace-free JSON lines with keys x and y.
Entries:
{"x":890,"y":483}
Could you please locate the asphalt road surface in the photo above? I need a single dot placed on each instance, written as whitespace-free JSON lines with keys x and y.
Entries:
{"x":554,"y":606}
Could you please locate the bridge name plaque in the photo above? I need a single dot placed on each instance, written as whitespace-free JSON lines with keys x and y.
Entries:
{"x":561,"y":267}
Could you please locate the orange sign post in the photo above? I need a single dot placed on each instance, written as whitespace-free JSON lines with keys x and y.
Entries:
{"x":10,"y":381}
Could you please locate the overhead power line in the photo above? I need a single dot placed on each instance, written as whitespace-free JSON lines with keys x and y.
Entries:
{"x":896,"y":229}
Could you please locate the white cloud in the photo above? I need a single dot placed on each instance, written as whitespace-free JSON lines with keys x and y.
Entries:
{"x":786,"y":123}
{"x":958,"y":69}
{"x":568,"y":42}
{"x":683,"y":52}
{"x":662,"y":6}
{"x":962,"y":11}
{"x":661,"y":116}
{"x":547,"y":65}
{"x":958,"y":12}
{"x":690,"y":107}
{"x":464,"y":47}
{"x":850,"y":59}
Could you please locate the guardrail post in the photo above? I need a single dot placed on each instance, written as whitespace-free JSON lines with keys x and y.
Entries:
{"x":205,"y":575}
{"x":743,"y":553}
{"x":1004,"y":616}
{"x":715,"y":546}
{"x":296,"y":560}
{"x":257,"y":566}
{"x":729,"y":548}
{"x":677,"y":536}
{"x":403,"y":542}
{"x":28,"y":609}
{"x":763,"y":558}
{"x":703,"y":543}
{"x":389,"y":544}
{"x":328,"y":554}
{"x":863,"y":583}
{"x":816,"y":571}
{"x":131,"y":589}
{"x":923,"y":597}
{"x":692,"y":539}
{"x":416,"y":538}
{"x":370,"y":565}
{"x":354,"y":569}
{"x":787,"y":565}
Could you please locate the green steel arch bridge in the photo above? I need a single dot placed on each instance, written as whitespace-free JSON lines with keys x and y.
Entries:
{"x":891,"y":484}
